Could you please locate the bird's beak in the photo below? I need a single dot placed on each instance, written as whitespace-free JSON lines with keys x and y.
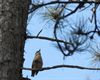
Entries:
{"x":39,"y":50}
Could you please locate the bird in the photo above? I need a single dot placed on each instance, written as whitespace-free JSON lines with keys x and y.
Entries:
{"x":37,"y":63}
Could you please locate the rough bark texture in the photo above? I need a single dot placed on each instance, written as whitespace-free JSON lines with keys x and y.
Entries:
{"x":13,"y":17}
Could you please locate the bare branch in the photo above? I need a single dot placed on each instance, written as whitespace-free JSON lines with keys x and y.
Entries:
{"x":34,"y":7}
{"x":63,"y":66}
{"x":67,"y":2}
{"x":47,"y":38}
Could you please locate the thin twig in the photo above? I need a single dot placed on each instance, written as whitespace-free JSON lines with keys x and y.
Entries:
{"x":39,"y":32}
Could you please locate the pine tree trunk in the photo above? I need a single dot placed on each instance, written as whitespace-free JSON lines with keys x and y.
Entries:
{"x":13,"y":18}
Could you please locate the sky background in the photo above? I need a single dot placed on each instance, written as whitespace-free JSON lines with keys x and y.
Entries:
{"x":52,"y":56}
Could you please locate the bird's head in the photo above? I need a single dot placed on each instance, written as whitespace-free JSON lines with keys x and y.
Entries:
{"x":38,"y":52}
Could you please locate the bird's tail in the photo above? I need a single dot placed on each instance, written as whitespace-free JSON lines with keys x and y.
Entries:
{"x":34,"y":72}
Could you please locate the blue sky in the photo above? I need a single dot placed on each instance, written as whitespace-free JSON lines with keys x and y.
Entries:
{"x":51,"y":56}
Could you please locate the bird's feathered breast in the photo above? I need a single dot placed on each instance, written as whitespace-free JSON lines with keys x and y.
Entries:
{"x":37,"y":62}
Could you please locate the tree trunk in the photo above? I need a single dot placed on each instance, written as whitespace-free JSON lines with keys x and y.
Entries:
{"x":13,"y":18}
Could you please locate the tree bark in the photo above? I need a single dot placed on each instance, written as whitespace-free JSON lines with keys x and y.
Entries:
{"x":13,"y":18}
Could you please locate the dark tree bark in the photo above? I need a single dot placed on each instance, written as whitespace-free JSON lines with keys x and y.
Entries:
{"x":13,"y":18}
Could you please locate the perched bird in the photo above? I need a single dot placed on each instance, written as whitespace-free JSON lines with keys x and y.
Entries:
{"x":37,"y":63}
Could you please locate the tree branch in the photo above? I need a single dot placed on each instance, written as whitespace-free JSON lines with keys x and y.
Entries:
{"x":67,"y":2}
{"x":47,"y":38}
{"x":63,"y":66}
{"x":58,"y":2}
